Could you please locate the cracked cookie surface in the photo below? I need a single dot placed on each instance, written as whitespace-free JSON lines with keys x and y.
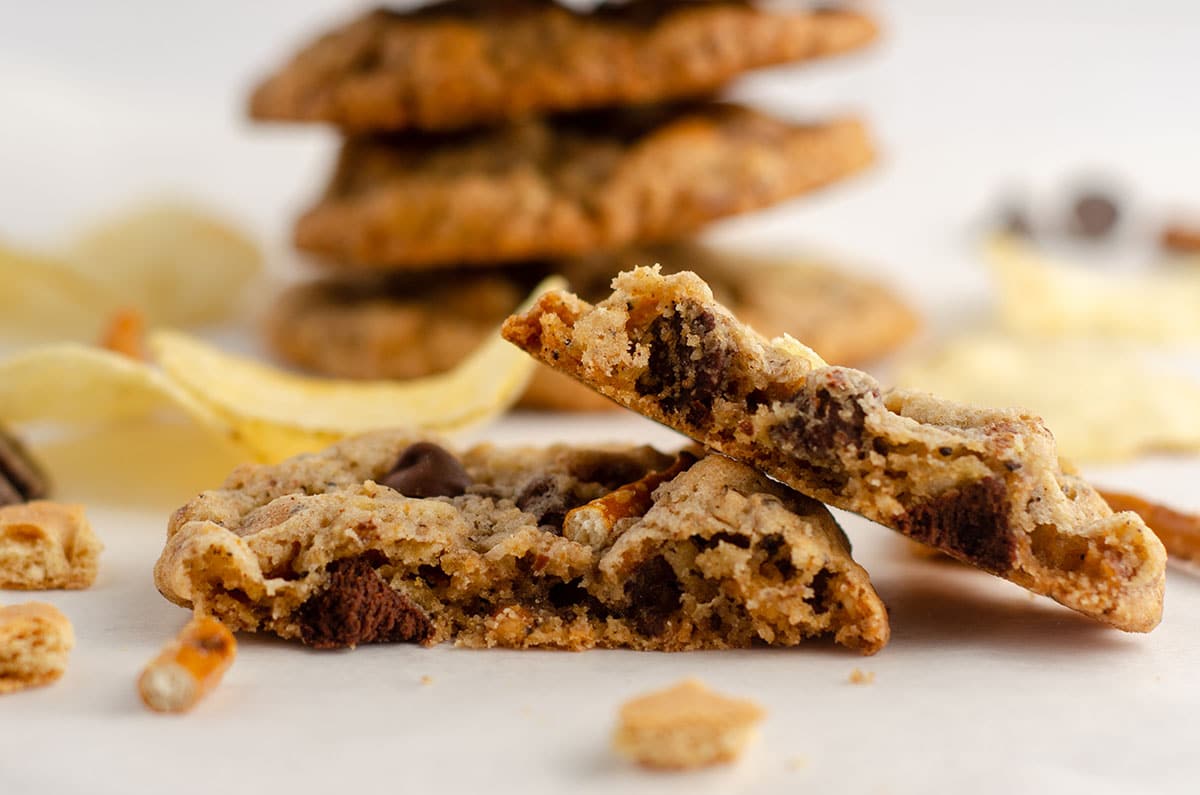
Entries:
{"x":473,"y":62}
{"x":566,"y":186}
{"x":409,"y":325}
{"x":556,"y":547}
{"x":984,"y":486}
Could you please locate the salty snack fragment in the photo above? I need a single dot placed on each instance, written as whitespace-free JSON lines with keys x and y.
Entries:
{"x":35,"y":639}
{"x":474,"y":62}
{"x":1042,"y":296}
{"x":685,"y":726}
{"x":1181,"y":238}
{"x":175,"y":263}
{"x":188,"y":667}
{"x":392,"y":538}
{"x":125,"y":334}
{"x":46,"y":545}
{"x":277,"y":414}
{"x":569,"y":186}
{"x":1132,"y":407}
{"x":982,"y":485}
{"x":1178,"y":531}
{"x":408,"y":325}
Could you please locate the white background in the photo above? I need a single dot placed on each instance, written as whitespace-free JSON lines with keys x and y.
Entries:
{"x":982,"y":687}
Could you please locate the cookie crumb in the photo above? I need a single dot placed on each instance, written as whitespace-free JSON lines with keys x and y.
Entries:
{"x":797,"y":762}
{"x":35,"y":640}
{"x":860,"y":677}
{"x":685,"y":726}
{"x":427,"y":680}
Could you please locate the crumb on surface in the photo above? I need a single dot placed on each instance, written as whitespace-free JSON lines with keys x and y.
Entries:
{"x":797,"y":762}
{"x":427,"y":680}
{"x":685,"y":726}
{"x":861,"y":677}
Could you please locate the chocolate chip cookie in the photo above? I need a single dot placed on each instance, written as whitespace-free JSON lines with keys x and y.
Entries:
{"x":472,"y":62}
{"x":414,"y":324}
{"x":566,"y":186}
{"x":984,"y":486}
{"x":388,"y":538}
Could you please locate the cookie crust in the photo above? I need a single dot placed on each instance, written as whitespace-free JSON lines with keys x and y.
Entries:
{"x":984,"y":486}
{"x":474,"y":62}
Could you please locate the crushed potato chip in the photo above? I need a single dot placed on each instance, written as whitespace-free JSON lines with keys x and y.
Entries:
{"x":1102,"y":401}
{"x":1041,"y":296}
{"x":42,"y":299}
{"x":176,"y":263}
{"x":278,"y":414}
{"x":109,"y":426}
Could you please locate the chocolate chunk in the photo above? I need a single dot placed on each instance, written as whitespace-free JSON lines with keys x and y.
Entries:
{"x":1094,"y":214}
{"x":688,"y":363}
{"x":21,"y":479}
{"x":819,"y":601}
{"x":971,"y":520}
{"x":359,"y":607}
{"x":549,"y":498}
{"x":427,"y":470}
{"x":654,"y":593}
{"x":829,"y":422}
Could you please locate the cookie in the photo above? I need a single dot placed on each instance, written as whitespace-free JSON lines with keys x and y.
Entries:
{"x":35,"y":639}
{"x":685,"y":726}
{"x":567,"y":186}
{"x":984,"y":486}
{"x":556,"y":547}
{"x":47,"y":545}
{"x":411,"y":325}
{"x":474,"y":62}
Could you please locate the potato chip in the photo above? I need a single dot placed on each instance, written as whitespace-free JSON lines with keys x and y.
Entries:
{"x":177,"y":264}
{"x":278,"y":414}
{"x":1042,"y":296}
{"x":43,"y":300}
{"x":107,"y":426}
{"x":1102,"y":402}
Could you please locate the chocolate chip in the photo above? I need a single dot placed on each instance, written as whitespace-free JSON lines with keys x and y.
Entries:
{"x":21,"y":479}
{"x":427,"y":470}
{"x":819,"y":601}
{"x":1094,"y":214}
{"x":549,"y":498}
{"x":359,"y":607}
{"x":654,"y":593}
{"x":970,"y":520}
{"x":688,"y":364}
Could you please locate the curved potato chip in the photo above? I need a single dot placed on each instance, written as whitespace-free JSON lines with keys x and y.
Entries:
{"x":1103,"y":402}
{"x":1043,"y":296}
{"x":42,"y":299}
{"x":176,"y":263}
{"x":126,"y":438}
{"x":278,"y":414}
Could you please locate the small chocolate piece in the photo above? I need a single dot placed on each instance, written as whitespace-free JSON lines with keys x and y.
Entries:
{"x":654,"y":592}
{"x":21,"y":479}
{"x":359,"y":607}
{"x":427,"y":470}
{"x":1094,"y":214}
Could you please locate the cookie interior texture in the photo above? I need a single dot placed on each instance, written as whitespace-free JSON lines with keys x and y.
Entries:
{"x":470,"y":62}
{"x":552,"y":547}
{"x":985,"y":486}
{"x":409,"y":325}
{"x":566,"y":186}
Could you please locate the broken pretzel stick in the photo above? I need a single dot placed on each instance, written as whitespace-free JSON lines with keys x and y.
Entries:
{"x":188,"y":667}
{"x":593,"y":522}
{"x":1179,"y":532}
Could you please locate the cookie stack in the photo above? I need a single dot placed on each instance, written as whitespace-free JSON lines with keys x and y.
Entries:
{"x":489,"y":143}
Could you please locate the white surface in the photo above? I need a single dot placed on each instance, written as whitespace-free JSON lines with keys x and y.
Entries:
{"x":982,"y":689}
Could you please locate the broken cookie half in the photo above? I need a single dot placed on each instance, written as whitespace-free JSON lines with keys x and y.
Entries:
{"x":387,"y":538}
{"x":985,"y":486}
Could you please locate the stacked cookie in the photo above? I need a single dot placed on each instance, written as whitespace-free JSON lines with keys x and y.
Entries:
{"x":489,"y":143}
